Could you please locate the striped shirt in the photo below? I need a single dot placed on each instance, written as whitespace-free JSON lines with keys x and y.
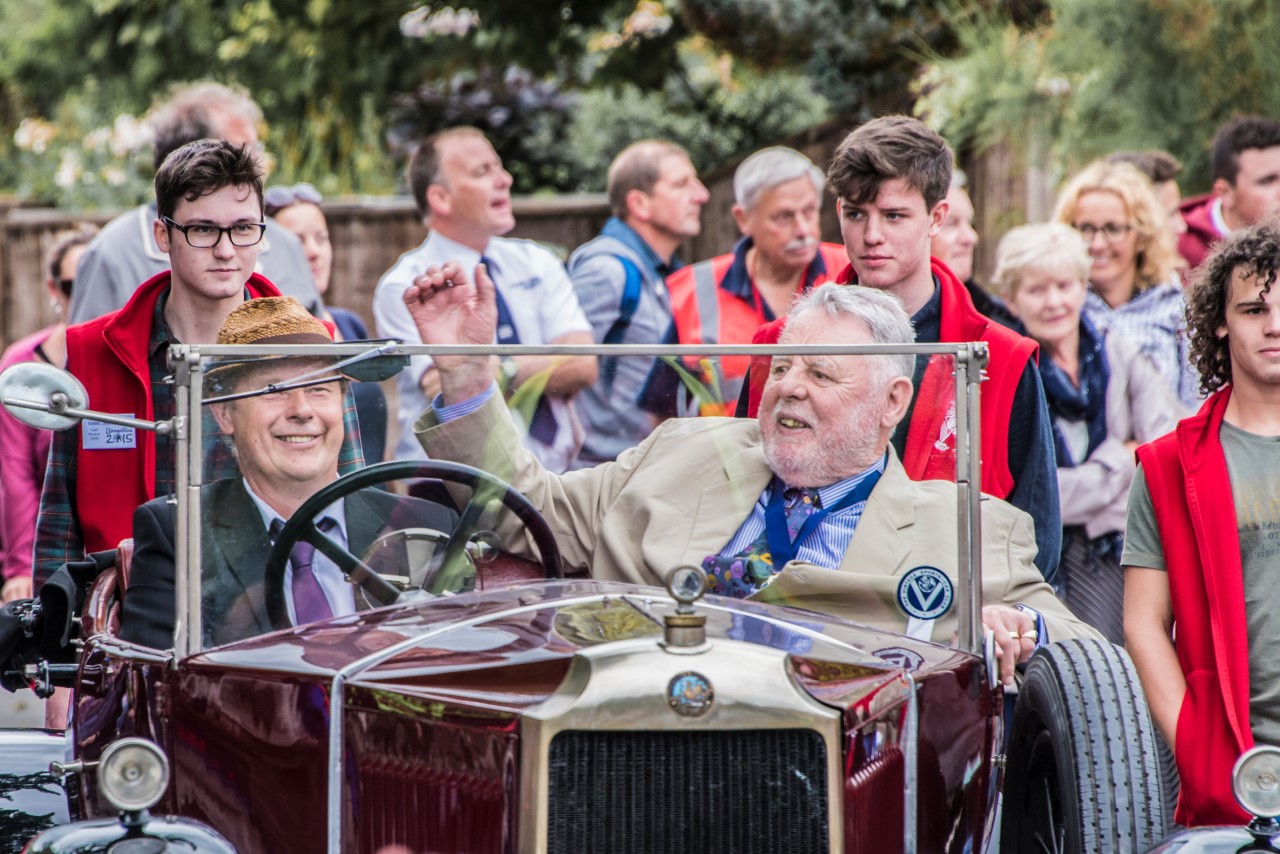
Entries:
{"x":828,"y":544}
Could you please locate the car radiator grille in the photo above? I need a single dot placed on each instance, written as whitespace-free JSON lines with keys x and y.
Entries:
{"x":720,"y":791}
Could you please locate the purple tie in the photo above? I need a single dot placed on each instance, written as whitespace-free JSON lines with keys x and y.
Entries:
{"x":799,"y":505}
{"x":309,"y":602}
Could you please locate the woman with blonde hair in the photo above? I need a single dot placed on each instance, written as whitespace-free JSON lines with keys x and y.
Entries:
{"x":1105,"y":397}
{"x":1133,"y":284}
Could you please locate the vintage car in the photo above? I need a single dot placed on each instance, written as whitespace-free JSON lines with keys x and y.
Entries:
{"x":483,"y":702}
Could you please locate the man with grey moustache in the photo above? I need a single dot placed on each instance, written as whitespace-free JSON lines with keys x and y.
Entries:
{"x":777,"y":203}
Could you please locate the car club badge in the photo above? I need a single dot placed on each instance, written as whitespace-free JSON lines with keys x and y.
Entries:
{"x":925,"y":593}
{"x":690,"y":694}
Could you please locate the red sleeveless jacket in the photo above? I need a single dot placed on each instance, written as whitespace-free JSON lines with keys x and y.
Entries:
{"x":109,"y":355}
{"x":1186,"y":474}
{"x":929,"y":455}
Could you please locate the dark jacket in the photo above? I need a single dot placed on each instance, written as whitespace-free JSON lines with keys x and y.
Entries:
{"x":235,"y":548}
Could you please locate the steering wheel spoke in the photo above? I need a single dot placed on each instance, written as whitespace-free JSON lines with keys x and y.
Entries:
{"x":445,"y":564}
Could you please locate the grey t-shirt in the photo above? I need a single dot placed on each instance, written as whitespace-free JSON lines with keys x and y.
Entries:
{"x":1253,"y":464}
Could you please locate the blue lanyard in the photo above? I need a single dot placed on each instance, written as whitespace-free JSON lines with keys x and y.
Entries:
{"x":782,"y":548}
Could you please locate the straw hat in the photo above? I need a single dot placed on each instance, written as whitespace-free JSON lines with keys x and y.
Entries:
{"x":272,"y":320}
{"x":267,"y":320}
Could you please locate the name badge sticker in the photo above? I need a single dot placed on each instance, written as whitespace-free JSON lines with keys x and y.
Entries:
{"x":108,"y":437}
{"x":925,"y":593}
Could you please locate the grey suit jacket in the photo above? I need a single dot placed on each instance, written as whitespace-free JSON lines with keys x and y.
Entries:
{"x":681,"y":494}
{"x":235,"y":548}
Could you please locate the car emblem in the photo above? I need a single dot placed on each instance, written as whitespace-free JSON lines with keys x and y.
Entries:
{"x":925,"y":593}
{"x":690,"y":694}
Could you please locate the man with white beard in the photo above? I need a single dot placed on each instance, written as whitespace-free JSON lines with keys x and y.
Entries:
{"x":806,"y":505}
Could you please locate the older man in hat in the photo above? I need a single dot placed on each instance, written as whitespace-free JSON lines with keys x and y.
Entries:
{"x":287,"y":444}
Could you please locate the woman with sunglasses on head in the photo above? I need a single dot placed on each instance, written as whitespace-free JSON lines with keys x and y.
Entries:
{"x":24,"y":450}
{"x":1134,"y":288}
{"x":297,"y":208}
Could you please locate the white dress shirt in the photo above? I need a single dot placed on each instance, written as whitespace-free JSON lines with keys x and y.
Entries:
{"x":543,"y":307}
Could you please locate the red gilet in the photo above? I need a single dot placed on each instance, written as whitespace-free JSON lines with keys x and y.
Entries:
{"x":1186,"y":474}
{"x":929,"y":456}
{"x":736,"y":319}
{"x":109,"y":355}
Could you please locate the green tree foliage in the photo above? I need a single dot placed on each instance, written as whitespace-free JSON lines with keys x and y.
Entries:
{"x":713,"y":122}
{"x":1094,"y":77}
{"x":339,"y":79}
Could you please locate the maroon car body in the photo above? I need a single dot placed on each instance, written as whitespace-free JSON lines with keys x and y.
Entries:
{"x":431,"y":706}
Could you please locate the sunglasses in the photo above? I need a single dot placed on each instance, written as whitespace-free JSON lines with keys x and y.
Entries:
{"x":65,"y":286}
{"x":279,"y":197}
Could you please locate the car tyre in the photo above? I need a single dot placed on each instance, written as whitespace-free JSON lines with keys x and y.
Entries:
{"x":1082,"y":769}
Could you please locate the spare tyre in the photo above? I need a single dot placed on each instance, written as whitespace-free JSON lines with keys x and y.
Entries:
{"x":1082,"y":770}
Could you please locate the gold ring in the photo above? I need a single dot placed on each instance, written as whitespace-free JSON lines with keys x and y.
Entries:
{"x":1014,"y":635}
{"x":1031,"y":634}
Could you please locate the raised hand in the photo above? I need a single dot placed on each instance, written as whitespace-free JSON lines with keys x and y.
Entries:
{"x":448,"y":308}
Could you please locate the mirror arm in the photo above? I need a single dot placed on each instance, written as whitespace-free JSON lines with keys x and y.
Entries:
{"x":57,"y":405}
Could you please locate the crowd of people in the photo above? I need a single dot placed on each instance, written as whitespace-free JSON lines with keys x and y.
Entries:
{"x":1111,"y":506}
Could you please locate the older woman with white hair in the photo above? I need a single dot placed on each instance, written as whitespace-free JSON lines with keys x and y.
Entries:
{"x":1105,"y":397}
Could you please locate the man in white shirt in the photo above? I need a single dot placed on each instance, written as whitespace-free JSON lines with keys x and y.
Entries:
{"x":464,"y":195}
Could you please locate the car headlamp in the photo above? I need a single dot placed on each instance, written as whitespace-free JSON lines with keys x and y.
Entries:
{"x":133,"y":774}
{"x":1256,"y":781}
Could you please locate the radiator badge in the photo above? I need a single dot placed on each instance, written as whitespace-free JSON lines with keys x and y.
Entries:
{"x":690,"y":694}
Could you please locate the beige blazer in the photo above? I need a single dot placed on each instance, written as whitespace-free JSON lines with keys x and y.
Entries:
{"x":682,"y":493}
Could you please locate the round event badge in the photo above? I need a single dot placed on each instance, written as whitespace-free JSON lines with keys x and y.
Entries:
{"x":925,"y":593}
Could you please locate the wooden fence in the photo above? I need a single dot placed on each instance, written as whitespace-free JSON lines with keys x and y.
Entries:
{"x":369,"y":234}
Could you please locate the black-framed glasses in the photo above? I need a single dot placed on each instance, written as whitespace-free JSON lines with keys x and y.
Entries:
{"x":1111,"y":232}
{"x":204,"y":236}
{"x":280,"y":196}
{"x":65,"y":285}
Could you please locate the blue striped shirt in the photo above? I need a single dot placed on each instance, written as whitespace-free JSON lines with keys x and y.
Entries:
{"x":827,"y":545}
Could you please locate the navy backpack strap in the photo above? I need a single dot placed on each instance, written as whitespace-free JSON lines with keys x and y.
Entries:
{"x":626,"y":311}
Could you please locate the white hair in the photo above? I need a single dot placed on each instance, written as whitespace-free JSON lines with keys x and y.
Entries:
{"x":768,"y":168}
{"x":1047,"y":247}
{"x":880,"y":311}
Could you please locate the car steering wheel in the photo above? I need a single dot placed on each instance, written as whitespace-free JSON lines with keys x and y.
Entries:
{"x":302,"y":526}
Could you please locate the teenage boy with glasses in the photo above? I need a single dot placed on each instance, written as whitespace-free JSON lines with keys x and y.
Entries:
{"x":126,"y":253}
{"x":210,"y":224}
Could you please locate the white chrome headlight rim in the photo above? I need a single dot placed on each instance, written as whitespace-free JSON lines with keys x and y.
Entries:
{"x":133,"y":774}
{"x":1255,"y":781}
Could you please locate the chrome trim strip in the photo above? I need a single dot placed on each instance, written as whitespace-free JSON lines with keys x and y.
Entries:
{"x":911,"y":770}
{"x":241,"y":350}
{"x":334,"y":799}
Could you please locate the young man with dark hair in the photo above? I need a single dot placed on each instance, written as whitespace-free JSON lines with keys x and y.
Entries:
{"x":620,"y":279}
{"x":126,"y":253}
{"x":464,"y":195}
{"x":890,"y":178}
{"x":210,"y":225}
{"x":1246,"y":185}
{"x":1202,"y":539}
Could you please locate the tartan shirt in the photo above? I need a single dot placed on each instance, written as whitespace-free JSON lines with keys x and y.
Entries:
{"x":58,"y":536}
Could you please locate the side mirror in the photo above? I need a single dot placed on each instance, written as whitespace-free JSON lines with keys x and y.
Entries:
{"x":49,"y":398}
{"x":38,"y":394}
